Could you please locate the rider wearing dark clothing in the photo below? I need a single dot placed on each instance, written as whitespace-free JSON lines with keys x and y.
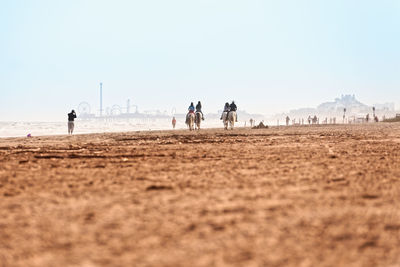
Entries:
{"x":198,"y":109}
{"x":233,"y":107}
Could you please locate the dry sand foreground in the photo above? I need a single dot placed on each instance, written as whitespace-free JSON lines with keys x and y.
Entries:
{"x":296,"y":196}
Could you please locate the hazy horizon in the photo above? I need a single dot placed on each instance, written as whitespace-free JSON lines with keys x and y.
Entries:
{"x":268,"y":56}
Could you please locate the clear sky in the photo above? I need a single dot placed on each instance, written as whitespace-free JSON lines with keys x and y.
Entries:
{"x":269,"y":56}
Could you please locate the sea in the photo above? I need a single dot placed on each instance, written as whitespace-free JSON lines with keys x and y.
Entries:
{"x":21,"y":129}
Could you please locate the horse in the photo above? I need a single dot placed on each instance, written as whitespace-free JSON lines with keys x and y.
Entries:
{"x":229,"y":118}
{"x":225,"y":119}
{"x":232,"y":118}
{"x":197,"y":120}
{"x":190,"y":121}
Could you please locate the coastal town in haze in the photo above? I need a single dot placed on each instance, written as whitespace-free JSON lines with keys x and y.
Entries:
{"x":344,"y":109}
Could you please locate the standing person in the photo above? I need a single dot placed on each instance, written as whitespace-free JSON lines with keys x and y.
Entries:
{"x":233,"y":107}
{"x":173,"y":122}
{"x":198,"y":109}
{"x":287,"y":120}
{"x":71,"y":117}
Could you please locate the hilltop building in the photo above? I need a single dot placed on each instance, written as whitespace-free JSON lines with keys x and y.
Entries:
{"x":346,"y":101}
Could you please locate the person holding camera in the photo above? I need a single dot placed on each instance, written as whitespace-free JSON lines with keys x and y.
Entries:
{"x":71,"y":117}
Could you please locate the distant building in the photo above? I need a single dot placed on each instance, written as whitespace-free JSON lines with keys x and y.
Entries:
{"x":346,"y":101}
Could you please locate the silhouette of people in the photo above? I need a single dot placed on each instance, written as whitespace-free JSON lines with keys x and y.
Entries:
{"x":71,"y":118}
{"x":287,"y":120}
{"x":315,"y":120}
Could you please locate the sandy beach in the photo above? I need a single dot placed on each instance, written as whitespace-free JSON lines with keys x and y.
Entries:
{"x":288,"y":196}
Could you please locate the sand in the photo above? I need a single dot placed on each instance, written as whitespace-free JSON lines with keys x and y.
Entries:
{"x":289,"y":196}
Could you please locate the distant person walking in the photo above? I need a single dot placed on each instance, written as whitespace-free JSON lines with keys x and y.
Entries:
{"x":71,"y":118}
{"x":173,"y":122}
{"x":287,"y":120}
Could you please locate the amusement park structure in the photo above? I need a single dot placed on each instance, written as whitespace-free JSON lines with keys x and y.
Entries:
{"x":85,"y":111}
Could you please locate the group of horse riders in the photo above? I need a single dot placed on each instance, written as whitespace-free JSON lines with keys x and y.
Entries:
{"x":195,"y":115}
{"x":227,"y":108}
{"x":191,"y":109}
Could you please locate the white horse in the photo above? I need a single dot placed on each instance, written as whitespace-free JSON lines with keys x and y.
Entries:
{"x":197,"y":120}
{"x":225,"y":120}
{"x":229,"y":119}
{"x":190,"y":121}
{"x":232,"y":119}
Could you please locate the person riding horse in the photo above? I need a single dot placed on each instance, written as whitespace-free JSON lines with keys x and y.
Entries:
{"x":198,"y":109}
{"x":233,"y":107}
{"x":190,"y":110}
{"x":226,"y":109}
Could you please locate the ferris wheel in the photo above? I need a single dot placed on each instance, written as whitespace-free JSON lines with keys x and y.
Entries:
{"x":84,"y":108}
{"x":116,"y":110}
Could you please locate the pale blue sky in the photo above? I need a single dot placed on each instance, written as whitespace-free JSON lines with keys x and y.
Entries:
{"x":269,"y":56}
